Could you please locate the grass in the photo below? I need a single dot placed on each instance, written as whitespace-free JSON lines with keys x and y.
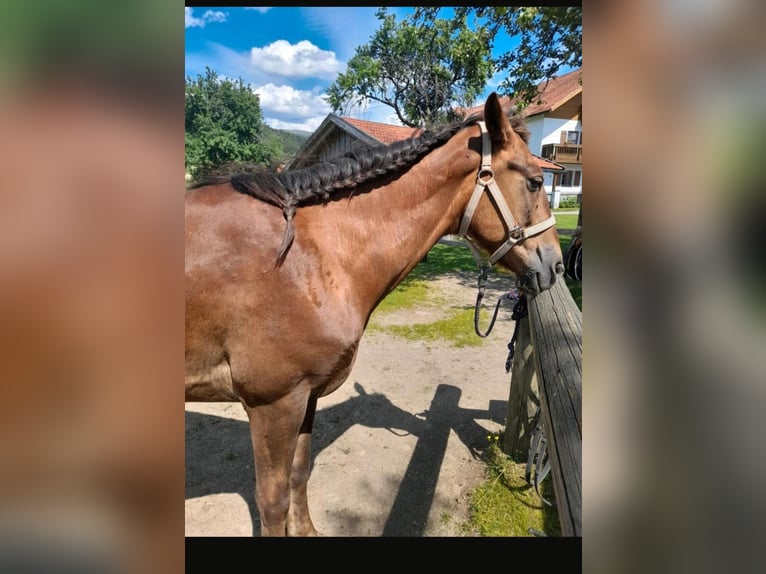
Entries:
{"x":569,"y":222}
{"x":505,"y":505}
{"x":410,"y":293}
{"x":565,"y":220}
{"x":457,"y":329}
{"x":443,"y":259}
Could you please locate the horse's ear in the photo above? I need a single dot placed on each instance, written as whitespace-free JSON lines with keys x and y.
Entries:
{"x":499,"y":127}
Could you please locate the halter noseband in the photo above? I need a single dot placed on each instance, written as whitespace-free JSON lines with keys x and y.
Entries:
{"x":485,"y":181}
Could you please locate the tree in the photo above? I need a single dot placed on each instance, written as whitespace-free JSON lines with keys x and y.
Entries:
{"x":420,"y":71}
{"x":550,"y":38}
{"x":224,"y":123}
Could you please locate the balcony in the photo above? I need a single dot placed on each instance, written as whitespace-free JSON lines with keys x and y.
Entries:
{"x":563,"y":153}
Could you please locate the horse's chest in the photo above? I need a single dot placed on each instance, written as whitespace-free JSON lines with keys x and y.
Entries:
{"x":339,"y":370}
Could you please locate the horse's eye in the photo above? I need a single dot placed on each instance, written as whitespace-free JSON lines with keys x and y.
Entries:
{"x":534,"y":183}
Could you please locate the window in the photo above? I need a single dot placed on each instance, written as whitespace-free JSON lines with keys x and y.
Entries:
{"x":569,"y":178}
{"x":570,"y":138}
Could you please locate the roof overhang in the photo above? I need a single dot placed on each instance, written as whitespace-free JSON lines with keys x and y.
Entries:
{"x":548,"y":165}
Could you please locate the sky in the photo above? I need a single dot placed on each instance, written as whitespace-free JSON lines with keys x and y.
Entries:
{"x":289,"y":55}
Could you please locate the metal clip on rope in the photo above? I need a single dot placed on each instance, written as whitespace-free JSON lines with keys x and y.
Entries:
{"x":519,"y":312}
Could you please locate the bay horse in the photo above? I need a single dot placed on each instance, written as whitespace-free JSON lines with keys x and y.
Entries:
{"x":283,"y":271}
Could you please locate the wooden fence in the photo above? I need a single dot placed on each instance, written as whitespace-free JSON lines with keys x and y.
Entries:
{"x":547,"y":370}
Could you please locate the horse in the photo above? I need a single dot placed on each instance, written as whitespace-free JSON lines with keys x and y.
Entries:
{"x":283,"y":271}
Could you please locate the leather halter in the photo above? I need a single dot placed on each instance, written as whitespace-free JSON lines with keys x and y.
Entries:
{"x":485,"y":181}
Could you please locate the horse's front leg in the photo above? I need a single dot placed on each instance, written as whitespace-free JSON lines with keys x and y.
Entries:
{"x":298,"y":518}
{"x":274,"y":429}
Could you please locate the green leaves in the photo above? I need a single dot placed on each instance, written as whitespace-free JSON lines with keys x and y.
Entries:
{"x":421,"y":71}
{"x":424,"y":66}
{"x":224,"y":123}
{"x":550,"y":37}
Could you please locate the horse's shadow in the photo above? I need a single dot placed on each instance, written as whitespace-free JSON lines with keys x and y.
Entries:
{"x":220,"y":460}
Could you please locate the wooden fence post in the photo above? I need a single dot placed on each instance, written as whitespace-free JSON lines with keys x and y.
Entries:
{"x":522,"y":399}
{"x":555,"y":327}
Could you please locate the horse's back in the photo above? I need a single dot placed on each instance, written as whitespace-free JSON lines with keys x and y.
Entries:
{"x":224,"y":226}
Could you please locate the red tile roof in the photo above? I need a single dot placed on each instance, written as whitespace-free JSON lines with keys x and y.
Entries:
{"x":557,"y":92}
{"x":384,"y":133}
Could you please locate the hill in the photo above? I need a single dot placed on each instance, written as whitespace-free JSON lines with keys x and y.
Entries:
{"x":289,"y":140}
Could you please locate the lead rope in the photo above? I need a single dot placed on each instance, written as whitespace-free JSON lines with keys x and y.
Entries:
{"x":519,"y":312}
{"x":479,"y":296}
{"x":538,"y":456}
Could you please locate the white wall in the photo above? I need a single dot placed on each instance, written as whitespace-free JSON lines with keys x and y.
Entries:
{"x":552,"y":128}
{"x":535,"y":126}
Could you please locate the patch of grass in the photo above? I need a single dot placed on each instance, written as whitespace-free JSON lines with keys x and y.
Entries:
{"x":409,"y":293}
{"x":445,"y":258}
{"x":566,"y":220}
{"x":505,"y":505}
{"x":456,"y":329}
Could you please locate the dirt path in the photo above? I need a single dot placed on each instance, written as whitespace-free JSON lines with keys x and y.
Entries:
{"x":396,"y":448}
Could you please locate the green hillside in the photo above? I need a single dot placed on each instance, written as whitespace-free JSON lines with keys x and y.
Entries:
{"x":289,"y":140}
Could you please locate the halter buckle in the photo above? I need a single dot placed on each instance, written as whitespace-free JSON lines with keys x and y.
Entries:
{"x":483,"y":276}
{"x":517,"y":233}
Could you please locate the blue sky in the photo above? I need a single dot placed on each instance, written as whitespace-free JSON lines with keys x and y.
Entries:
{"x":288,"y":55}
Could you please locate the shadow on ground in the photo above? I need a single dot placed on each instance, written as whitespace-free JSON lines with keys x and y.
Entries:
{"x":219,"y":456}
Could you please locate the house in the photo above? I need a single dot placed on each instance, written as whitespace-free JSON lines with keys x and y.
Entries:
{"x":555,"y":127}
{"x":337,"y":135}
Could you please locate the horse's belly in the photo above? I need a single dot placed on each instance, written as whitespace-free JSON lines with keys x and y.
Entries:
{"x":213,"y":384}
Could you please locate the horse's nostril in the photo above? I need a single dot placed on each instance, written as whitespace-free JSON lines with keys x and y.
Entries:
{"x":560,"y":267}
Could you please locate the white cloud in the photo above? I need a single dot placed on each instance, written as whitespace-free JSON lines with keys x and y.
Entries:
{"x":217,"y":16}
{"x":308,"y":125}
{"x":289,"y":101}
{"x":303,"y":59}
{"x":284,"y":107}
{"x":190,"y":21}
{"x":261,"y":9}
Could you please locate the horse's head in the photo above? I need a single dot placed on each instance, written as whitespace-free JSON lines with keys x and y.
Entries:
{"x":514,"y":222}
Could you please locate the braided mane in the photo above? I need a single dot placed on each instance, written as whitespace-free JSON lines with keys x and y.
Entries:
{"x":318,"y":183}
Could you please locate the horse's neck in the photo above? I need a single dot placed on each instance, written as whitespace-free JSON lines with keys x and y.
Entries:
{"x":384,"y":233}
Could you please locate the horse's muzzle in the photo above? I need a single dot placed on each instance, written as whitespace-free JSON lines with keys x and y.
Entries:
{"x":540,"y":277}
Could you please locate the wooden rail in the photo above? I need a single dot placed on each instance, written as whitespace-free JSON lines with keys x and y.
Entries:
{"x":548,"y":360}
{"x":565,"y":153}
